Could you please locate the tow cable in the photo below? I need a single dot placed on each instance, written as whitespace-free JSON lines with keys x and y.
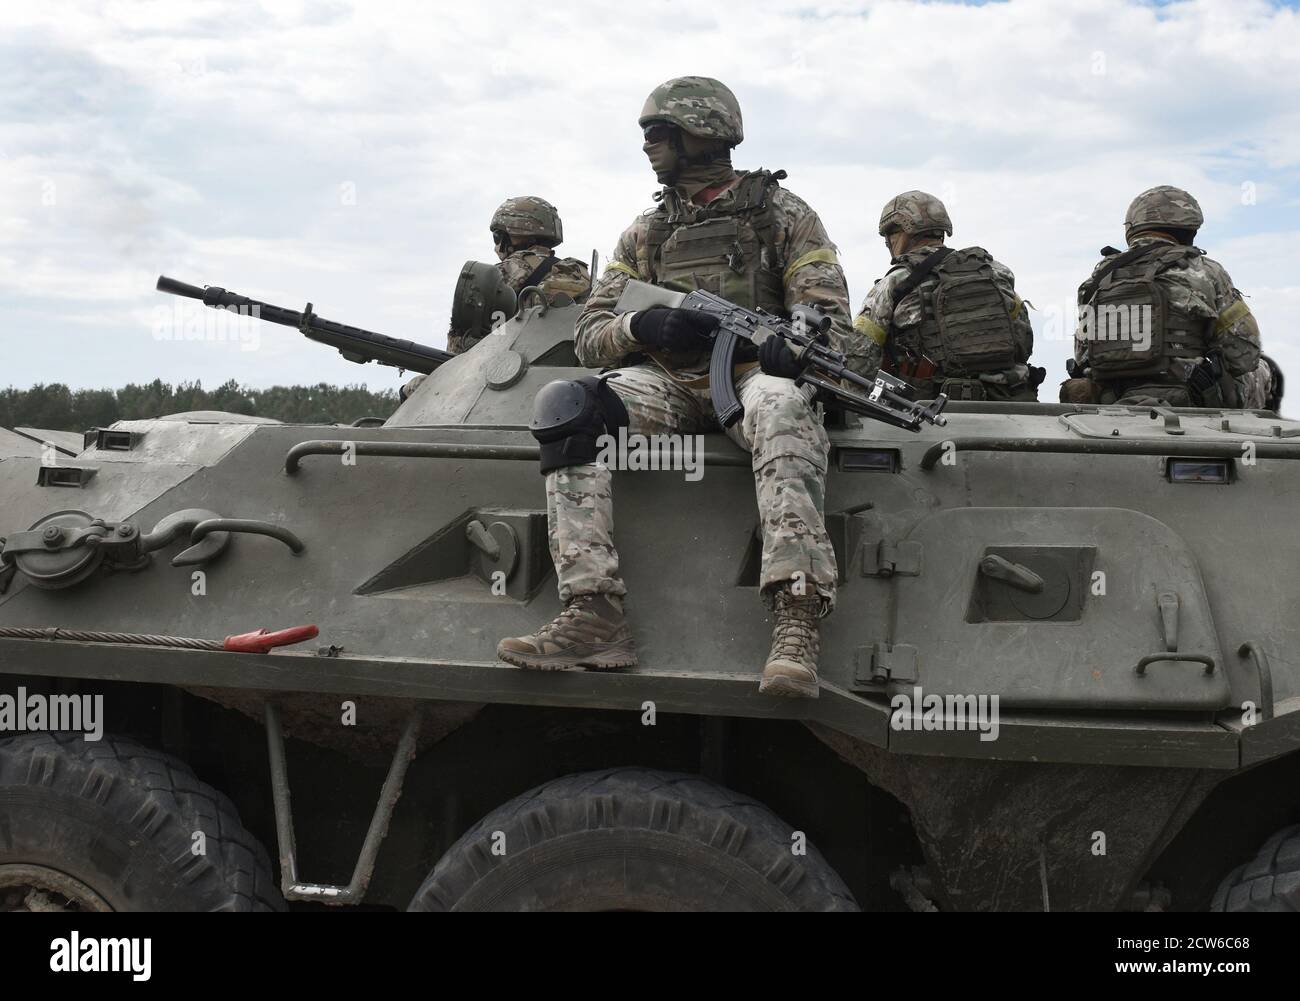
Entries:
{"x":258,"y":641}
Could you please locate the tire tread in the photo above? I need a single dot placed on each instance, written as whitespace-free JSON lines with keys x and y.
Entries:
{"x":682,"y":806}
{"x":159,"y":796}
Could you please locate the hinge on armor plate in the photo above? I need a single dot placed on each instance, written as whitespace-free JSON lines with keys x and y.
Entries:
{"x":887,"y":559}
{"x":882,"y":663}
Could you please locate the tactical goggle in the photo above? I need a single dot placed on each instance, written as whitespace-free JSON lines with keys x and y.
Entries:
{"x":659,"y":132}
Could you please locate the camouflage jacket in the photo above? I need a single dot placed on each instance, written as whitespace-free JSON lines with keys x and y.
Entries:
{"x":1202,"y":288}
{"x":807,"y":263}
{"x":567,"y":275}
{"x":879,"y":320}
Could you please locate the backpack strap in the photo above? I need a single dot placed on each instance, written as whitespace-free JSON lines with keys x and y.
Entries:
{"x":903,"y":289}
{"x":541,"y":271}
{"x":919,"y":274}
{"x":1116,"y":260}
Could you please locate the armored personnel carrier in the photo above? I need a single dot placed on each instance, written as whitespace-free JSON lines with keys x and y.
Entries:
{"x":1062,"y":672}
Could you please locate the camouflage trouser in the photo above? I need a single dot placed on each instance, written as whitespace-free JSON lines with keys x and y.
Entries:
{"x":458,"y":344}
{"x":410,"y":387}
{"x":977,"y":389}
{"x":1255,"y":386}
{"x":1252,"y":390}
{"x":1134,"y":394}
{"x":1252,"y":393}
{"x":1012,"y":385}
{"x":789,"y":448}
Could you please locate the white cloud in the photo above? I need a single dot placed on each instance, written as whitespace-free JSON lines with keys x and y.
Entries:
{"x":352,"y":154}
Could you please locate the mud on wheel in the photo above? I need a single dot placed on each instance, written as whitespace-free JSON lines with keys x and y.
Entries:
{"x":632,"y":839}
{"x":111,"y":825}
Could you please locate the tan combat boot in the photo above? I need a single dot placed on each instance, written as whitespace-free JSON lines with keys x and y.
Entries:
{"x":591,"y":632}
{"x":796,"y":641}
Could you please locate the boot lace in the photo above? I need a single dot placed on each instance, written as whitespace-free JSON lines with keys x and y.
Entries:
{"x":796,"y":635}
{"x":576,"y":621}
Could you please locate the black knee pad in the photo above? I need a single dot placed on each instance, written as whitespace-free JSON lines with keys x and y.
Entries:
{"x":569,"y":415}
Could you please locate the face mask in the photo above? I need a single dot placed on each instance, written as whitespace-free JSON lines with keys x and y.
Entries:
{"x":673,"y":169}
{"x":696,"y":177}
{"x":663,"y":160}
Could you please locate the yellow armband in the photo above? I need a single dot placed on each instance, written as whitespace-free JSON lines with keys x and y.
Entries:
{"x":620,"y":266}
{"x":1237,"y":311}
{"x":869,"y":328}
{"x":823,"y":255}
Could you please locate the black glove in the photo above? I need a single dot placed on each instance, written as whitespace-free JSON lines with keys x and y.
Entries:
{"x":776,"y":358}
{"x":673,"y":329}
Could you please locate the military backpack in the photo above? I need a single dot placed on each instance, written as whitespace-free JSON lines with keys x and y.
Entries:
{"x":1129,"y":321}
{"x":967,"y":325}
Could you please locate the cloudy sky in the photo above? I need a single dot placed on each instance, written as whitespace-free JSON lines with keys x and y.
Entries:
{"x":351,"y":154}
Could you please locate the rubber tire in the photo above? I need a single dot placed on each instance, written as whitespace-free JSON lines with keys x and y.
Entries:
{"x":120,"y":817}
{"x":1270,"y":883}
{"x":632,"y":839}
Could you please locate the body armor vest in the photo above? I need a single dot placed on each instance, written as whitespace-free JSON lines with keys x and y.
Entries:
{"x":1128,"y":321}
{"x":729,"y":251}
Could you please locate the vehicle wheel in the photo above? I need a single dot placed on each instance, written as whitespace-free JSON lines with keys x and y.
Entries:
{"x":1270,"y":883}
{"x":109,"y":825}
{"x":631,"y":839}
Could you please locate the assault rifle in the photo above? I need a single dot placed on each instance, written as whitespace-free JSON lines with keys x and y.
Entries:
{"x":353,"y":343}
{"x":883,"y":399}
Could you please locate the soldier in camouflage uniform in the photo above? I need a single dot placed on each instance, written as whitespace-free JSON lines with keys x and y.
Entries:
{"x":946,"y":320}
{"x":1190,"y":341}
{"x":525,"y":231}
{"x":744,"y":237}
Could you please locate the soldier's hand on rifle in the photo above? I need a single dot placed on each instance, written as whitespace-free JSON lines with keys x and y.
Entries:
{"x":776,"y":358}
{"x":673,"y":329}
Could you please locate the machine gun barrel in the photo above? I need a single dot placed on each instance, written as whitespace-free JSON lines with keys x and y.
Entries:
{"x":353,"y":343}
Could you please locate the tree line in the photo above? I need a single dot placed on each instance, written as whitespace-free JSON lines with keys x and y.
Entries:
{"x":55,"y":407}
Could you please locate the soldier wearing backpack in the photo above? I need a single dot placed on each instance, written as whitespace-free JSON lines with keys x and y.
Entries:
{"x":1161,"y":323}
{"x":946,"y":320}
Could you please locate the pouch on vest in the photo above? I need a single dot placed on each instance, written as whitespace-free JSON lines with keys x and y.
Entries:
{"x":729,"y":253}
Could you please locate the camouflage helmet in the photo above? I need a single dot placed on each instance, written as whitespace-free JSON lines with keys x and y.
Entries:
{"x":1162,"y":207}
{"x":699,"y":105}
{"x":528,"y":215}
{"x":914,"y":212}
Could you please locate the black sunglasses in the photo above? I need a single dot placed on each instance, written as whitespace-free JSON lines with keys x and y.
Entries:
{"x":658,"y":132}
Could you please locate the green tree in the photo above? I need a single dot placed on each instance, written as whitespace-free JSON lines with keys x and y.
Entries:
{"x":57,"y":408}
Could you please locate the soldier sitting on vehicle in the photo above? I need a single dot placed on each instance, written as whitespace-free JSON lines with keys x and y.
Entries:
{"x":742,"y":236}
{"x":946,"y":320}
{"x":525,"y":231}
{"x":1161,"y":323}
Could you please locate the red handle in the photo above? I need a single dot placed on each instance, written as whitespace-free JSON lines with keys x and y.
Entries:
{"x":261,"y":641}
